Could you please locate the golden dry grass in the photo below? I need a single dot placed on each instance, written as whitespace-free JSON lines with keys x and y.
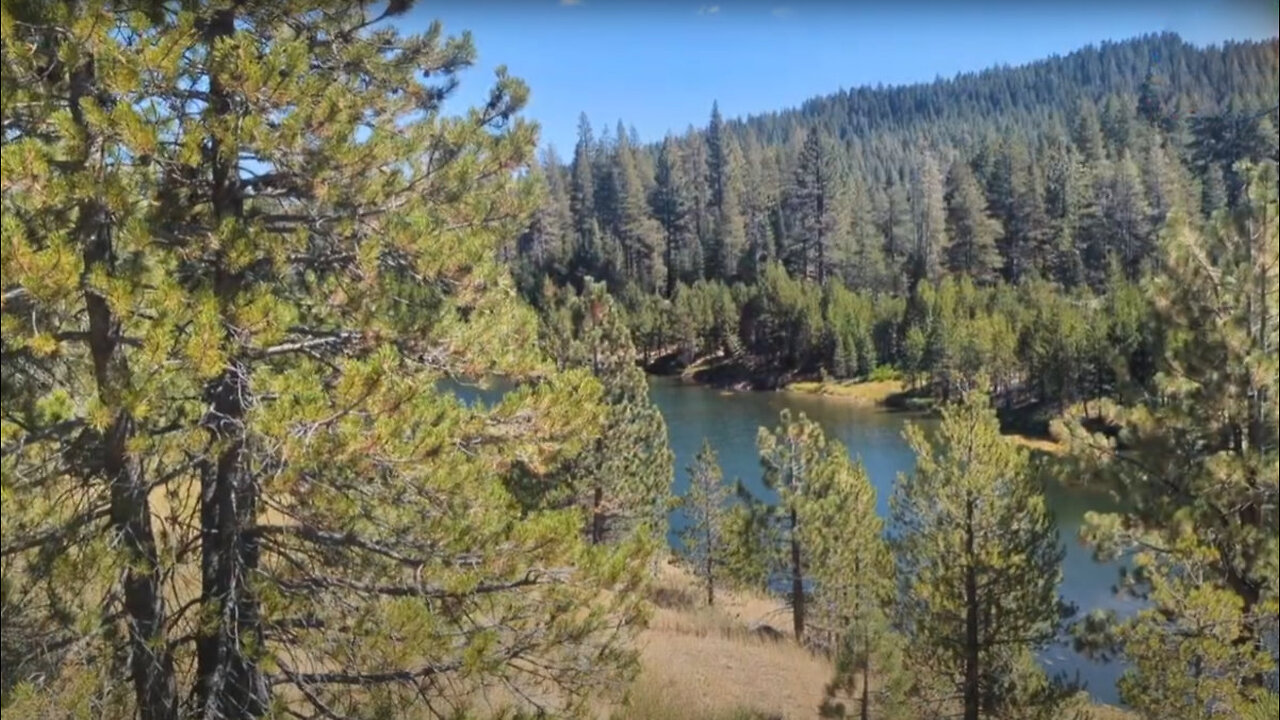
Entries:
{"x":863,"y":394}
{"x":710,"y":663}
{"x":1037,"y":444}
{"x":714,"y":663}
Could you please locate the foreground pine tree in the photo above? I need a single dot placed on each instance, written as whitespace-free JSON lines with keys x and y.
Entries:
{"x":852,"y":575}
{"x":788,"y":455}
{"x":978,"y":564}
{"x":706,"y":509}
{"x":241,"y":247}
{"x":622,"y":479}
{"x":1196,"y":464}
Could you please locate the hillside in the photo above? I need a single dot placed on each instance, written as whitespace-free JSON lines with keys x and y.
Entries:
{"x":1074,"y":159}
{"x":1042,"y":93}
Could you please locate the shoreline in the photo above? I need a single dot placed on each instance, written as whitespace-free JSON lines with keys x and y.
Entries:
{"x":877,"y":395}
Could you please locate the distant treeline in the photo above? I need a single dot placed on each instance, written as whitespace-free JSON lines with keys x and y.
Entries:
{"x":994,"y":221}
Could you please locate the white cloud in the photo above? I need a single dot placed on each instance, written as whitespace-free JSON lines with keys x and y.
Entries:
{"x":708,"y":9}
{"x":781,"y":11}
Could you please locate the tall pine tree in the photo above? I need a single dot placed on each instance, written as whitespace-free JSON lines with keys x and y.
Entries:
{"x":243,"y":247}
{"x":979,"y":564}
{"x":972,"y":232}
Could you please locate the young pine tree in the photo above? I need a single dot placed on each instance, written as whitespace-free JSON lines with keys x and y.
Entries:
{"x":623,"y":478}
{"x":706,"y":508}
{"x":789,"y":454}
{"x":978,"y":563}
{"x":850,"y":568}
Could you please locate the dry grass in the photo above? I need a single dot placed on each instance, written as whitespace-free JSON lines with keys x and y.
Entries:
{"x":863,"y":394}
{"x":721,"y":663}
{"x":1109,"y":712}
{"x":1038,"y":444}
{"x":714,"y":663}
{"x":653,"y":699}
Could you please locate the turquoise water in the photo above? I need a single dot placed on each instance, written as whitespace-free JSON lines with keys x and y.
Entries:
{"x":730,"y":420}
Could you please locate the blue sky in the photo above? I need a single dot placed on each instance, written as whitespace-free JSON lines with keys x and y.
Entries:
{"x":658,"y":65}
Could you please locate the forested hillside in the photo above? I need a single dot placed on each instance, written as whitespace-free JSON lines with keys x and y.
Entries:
{"x":996,"y":219}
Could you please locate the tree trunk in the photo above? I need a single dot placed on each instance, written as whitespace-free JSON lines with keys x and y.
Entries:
{"x":671,"y":261}
{"x":597,"y":516}
{"x":150,"y":659}
{"x":229,"y":682}
{"x":710,"y":565}
{"x":972,"y":689}
{"x":797,"y":582}
{"x":865,"y":713}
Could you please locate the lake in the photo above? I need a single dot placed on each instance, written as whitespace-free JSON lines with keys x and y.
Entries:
{"x":730,"y":421}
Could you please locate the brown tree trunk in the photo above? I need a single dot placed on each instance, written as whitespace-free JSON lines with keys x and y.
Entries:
{"x":597,"y":516}
{"x":710,"y":568}
{"x":228,"y":683}
{"x":797,"y":581}
{"x":972,"y":686}
{"x":865,"y":713}
{"x":150,"y":660}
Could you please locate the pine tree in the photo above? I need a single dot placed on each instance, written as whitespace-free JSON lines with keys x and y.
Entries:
{"x":815,"y":219}
{"x":588,"y":254}
{"x":929,"y":213}
{"x":695,"y":157}
{"x":790,"y":456}
{"x":636,"y":231}
{"x":971,"y":246}
{"x":760,"y":200}
{"x":727,"y":232}
{"x":1153,"y":101}
{"x":706,"y":509}
{"x":850,"y":568}
{"x":1198,"y":472}
{"x":1125,"y":219}
{"x":559,"y":217}
{"x":1213,"y":191}
{"x":866,"y":267}
{"x":242,"y":248}
{"x":1067,"y":201}
{"x":899,"y":234}
{"x":674,"y":210}
{"x":541,"y":249}
{"x":623,"y":479}
{"x":1117,"y":122}
{"x":978,"y":562}
{"x":1028,"y":250}
{"x":1087,"y":133}
{"x":1014,"y":198}
{"x":750,"y":538}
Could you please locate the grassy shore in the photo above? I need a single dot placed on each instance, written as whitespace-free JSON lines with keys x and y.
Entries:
{"x":868,"y":393}
{"x":893,"y":394}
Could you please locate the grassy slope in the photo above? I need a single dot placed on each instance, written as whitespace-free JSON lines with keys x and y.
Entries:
{"x":707,"y":663}
{"x":710,"y":663}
